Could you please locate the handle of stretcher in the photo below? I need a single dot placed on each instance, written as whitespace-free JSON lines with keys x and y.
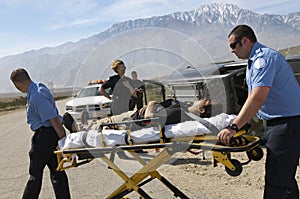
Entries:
{"x":240,"y":132}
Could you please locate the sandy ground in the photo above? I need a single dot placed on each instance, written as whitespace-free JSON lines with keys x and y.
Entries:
{"x":195,"y":177}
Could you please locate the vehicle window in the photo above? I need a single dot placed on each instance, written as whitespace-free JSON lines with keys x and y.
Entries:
{"x":91,"y":91}
{"x":108,"y":90}
{"x":154,"y":92}
{"x":87,"y":92}
{"x":241,"y":87}
{"x":295,"y":64}
{"x":184,"y":92}
{"x":98,"y":92}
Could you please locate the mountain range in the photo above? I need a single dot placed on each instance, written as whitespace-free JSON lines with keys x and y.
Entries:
{"x":153,"y":46}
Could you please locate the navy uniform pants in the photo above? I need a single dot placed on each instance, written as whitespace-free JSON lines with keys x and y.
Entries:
{"x":43,"y":145}
{"x":283,"y":148}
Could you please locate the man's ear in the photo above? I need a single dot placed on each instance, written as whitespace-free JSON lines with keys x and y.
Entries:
{"x":18,"y":85}
{"x":21,"y":86}
{"x":15,"y":83}
{"x":201,"y":110}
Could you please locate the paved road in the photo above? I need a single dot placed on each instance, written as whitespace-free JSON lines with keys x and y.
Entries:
{"x":89,"y":181}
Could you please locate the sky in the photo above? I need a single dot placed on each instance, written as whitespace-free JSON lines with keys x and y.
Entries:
{"x":31,"y":25}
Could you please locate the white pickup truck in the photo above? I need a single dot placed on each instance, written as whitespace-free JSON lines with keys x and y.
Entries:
{"x":90,"y":100}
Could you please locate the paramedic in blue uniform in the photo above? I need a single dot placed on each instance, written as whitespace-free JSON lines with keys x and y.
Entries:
{"x":45,"y":122}
{"x":121,"y":86}
{"x":274,"y":95}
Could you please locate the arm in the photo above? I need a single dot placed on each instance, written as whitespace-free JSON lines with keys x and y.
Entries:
{"x":104,"y":93}
{"x":58,"y":127}
{"x":131,"y":89}
{"x":250,"y":108}
{"x":141,"y":88}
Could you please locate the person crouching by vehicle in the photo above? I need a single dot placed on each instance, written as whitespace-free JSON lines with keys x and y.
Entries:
{"x":121,"y":87}
{"x":44,"y":120}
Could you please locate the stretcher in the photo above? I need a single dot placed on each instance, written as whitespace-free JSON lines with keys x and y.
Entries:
{"x":241,"y":142}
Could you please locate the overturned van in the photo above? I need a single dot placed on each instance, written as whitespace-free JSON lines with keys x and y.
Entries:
{"x":294,"y":61}
{"x":222,"y":82}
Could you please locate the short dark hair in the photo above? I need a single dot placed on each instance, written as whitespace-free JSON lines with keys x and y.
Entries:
{"x":134,"y":73}
{"x":241,"y":31}
{"x":19,"y":75}
{"x":211,"y":110}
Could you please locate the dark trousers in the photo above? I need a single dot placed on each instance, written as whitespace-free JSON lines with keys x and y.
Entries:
{"x":138,"y":101}
{"x":283,"y":148}
{"x":41,"y":154}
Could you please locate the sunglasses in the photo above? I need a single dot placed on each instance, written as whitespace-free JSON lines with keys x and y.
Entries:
{"x":121,"y":67}
{"x":233,"y":44}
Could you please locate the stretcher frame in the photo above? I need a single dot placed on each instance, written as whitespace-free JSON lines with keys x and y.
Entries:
{"x":168,"y":147}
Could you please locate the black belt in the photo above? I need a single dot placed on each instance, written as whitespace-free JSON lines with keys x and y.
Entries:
{"x":280,"y":120}
{"x":42,"y":128}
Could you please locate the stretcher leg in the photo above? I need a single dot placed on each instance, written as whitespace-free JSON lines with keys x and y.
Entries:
{"x":156,"y":175}
{"x":148,"y":169}
{"x":223,"y":158}
{"x":174,"y":189}
{"x":129,"y":183}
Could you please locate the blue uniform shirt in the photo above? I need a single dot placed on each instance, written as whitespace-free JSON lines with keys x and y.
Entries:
{"x":40,"y":106}
{"x":267,"y":67}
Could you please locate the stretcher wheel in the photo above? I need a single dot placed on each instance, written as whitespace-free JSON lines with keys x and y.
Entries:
{"x":238,"y":168}
{"x":255,"y":154}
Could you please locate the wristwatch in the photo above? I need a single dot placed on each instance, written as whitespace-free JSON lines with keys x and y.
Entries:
{"x":234,"y":127}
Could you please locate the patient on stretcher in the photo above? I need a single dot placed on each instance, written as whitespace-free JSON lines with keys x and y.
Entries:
{"x":112,"y":137}
{"x":169,"y":112}
{"x":172,"y":113}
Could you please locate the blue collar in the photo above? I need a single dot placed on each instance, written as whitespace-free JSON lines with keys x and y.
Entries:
{"x":256,"y":49}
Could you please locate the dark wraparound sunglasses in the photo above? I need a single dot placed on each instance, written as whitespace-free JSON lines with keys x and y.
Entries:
{"x":233,"y":44}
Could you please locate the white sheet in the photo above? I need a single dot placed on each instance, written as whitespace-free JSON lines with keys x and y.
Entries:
{"x":146,"y":135}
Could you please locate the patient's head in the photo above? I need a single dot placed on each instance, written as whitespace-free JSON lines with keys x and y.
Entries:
{"x":205,"y":108}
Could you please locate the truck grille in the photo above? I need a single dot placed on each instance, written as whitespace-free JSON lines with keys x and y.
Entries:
{"x":90,"y":107}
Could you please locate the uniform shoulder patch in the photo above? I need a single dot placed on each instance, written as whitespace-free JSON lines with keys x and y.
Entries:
{"x":259,"y":63}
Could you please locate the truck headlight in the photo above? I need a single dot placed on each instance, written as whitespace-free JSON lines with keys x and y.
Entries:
{"x":69,"y":108}
{"x":105,"y":105}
